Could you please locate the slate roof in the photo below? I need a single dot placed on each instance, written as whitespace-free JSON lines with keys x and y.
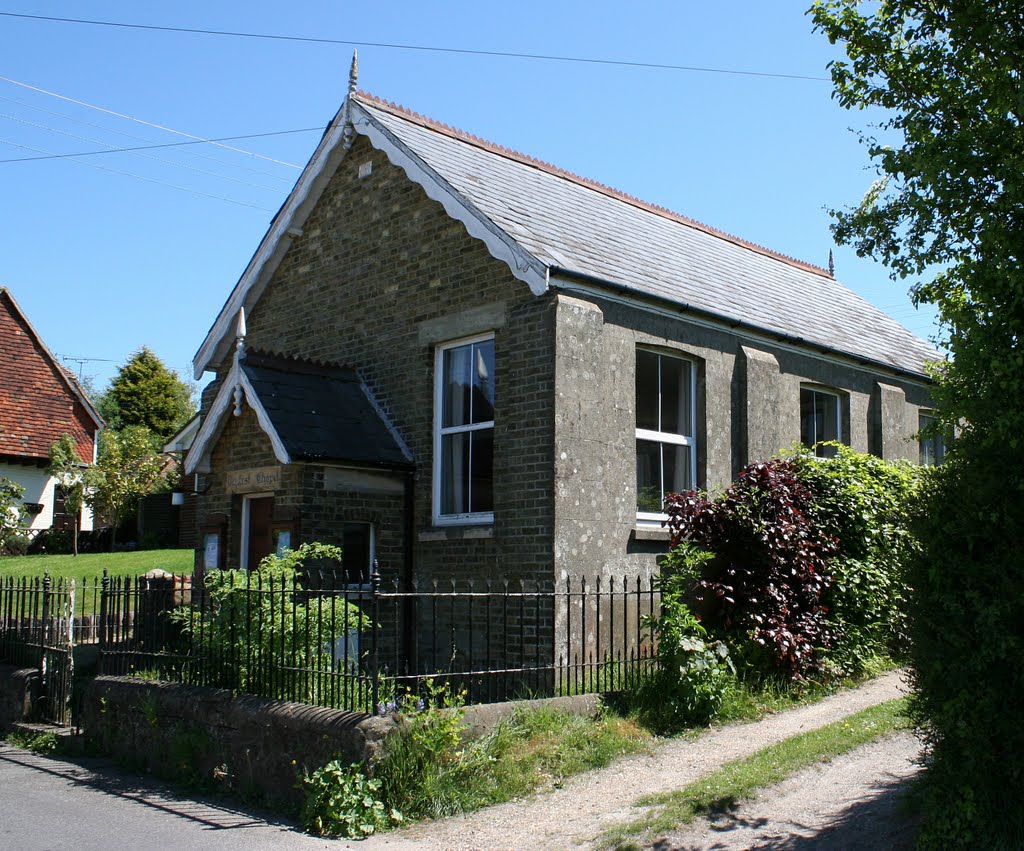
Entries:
{"x":578,"y":226}
{"x":322,"y":413}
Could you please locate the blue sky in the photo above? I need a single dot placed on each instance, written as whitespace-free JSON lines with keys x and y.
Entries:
{"x":111,"y":252}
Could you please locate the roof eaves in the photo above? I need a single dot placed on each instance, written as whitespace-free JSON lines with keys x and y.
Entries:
{"x":722,"y":320}
{"x":197,"y":459}
{"x":371,"y":466}
{"x":399,"y":442}
{"x":276,"y":240}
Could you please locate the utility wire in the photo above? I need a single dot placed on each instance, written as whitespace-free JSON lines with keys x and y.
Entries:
{"x":153,"y":157}
{"x":505,"y":54}
{"x":106,"y":129}
{"x":140,"y":177}
{"x":151,"y":147}
{"x":142,"y":121}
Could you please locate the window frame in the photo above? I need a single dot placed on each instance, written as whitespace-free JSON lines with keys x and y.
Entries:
{"x":938,"y":439}
{"x":651,"y":518}
{"x":837,"y":396}
{"x":440,"y":431}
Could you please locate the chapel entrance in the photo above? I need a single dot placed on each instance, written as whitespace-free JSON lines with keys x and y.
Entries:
{"x":259,"y":541}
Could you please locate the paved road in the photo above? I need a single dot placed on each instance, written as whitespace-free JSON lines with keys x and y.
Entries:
{"x":87,"y":804}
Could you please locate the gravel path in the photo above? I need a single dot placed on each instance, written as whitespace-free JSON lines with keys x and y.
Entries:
{"x":854,"y":801}
{"x":575,"y":815}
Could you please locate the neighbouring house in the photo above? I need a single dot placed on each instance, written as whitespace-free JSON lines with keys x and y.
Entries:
{"x":183,"y":497}
{"x":39,"y":401}
{"x":467,"y":363}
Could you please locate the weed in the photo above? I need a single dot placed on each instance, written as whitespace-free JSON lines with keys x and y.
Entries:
{"x":427,"y":773}
{"x":148,"y":711}
{"x":41,"y":743}
{"x":342,"y":801}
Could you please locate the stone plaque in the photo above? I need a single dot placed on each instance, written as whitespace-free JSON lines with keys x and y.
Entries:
{"x":254,"y":481}
{"x":211,"y":551}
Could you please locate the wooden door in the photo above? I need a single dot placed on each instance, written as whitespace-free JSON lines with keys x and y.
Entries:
{"x":260,"y":543}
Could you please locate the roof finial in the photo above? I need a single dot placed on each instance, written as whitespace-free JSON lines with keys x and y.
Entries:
{"x":831,"y":264}
{"x":240,"y":334}
{"x":353,"y":73}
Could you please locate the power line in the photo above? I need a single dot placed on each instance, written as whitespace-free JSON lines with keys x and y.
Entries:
{"x":142,"y":121}
{"x":151,"y":147}
{"x":106,"y":129}
{"x":420,"y":47}
{"x":163,"y":160}
{"x":140,"y":177}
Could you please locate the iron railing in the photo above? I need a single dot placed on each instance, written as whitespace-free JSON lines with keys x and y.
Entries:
{"x":316,"y":640}
{"x":36,"y":617}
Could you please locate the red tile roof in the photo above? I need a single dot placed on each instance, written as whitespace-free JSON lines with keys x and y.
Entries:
{"x":39,"y":400}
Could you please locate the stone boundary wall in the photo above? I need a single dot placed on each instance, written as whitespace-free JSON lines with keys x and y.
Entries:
{"x":19,"y":691}
{"x":252,"y":746}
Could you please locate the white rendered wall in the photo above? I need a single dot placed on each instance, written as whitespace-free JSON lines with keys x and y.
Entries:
{"x":39,"y":487}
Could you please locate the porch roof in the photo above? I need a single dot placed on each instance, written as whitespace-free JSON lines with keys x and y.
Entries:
{"x":322,"y":412}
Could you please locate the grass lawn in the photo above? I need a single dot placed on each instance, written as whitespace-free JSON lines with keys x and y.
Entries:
{"x":90,"y":566}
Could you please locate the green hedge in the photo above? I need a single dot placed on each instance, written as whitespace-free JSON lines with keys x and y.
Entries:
{"x":967,"y":649}
{"x":803,"y":567}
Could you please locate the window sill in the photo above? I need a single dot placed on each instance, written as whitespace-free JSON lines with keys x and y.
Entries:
{"x":456,"y":533}
{"x":651,"y":533}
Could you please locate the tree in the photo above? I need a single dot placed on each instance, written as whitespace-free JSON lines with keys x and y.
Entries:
{"x":127,"y":469}
{"x":947,"y":213}
{"x":69,"y":471}
{"x":11,"y":510}
{"x":146,"y":393}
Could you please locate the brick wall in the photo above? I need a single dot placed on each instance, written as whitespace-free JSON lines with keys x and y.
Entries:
{"x":381,"y":276}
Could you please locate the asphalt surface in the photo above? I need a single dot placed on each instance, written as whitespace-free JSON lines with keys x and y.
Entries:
{"x":88,"y":804}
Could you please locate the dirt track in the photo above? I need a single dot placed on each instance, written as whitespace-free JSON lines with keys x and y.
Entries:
{"x":855,"y":801}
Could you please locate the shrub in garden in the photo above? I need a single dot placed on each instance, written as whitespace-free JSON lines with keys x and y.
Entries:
{"x":694,"y":672}
{"x":806,"y":572}
{"x":258,"y":624}
{"x":11,"y":511}
{"x":763,"y":585}
{"x":16,"y":544}
{"x":967,"y":642}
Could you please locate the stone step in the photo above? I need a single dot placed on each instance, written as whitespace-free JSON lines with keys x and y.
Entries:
{"x":70,"y":742}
